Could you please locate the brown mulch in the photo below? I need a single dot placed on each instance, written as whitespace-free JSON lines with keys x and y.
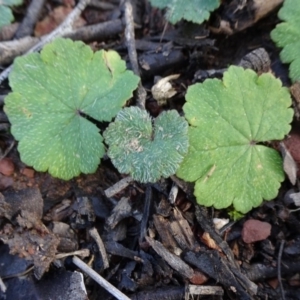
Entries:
{"x":151,"y":241}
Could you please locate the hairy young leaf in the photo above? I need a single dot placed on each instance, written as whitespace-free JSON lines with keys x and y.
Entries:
{"x":196,"y":11}
{"x":6,"y":16}
{"x":145,"y":151}
{"x":287,"y":36}
{"x":53,"y":93}
{"x":229,"y":119}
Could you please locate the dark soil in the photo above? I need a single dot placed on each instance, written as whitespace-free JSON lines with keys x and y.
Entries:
{"x":154,"y":248}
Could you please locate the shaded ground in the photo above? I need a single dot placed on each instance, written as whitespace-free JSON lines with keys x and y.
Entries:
{"x":154,"y":244}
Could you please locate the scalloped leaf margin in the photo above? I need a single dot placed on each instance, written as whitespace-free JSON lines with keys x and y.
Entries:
{"x":55,"y":96}
{"x":229,"y":120}
{"x":196,"y":11}
{"x":144,"y":150}
{"x":286,"y":35}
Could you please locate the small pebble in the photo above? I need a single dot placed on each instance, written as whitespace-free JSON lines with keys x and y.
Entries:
{"x":198,"y":278}
{"x":254,"y":231}
{"x":7,"y":167}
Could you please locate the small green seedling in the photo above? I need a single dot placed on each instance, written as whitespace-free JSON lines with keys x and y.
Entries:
{"x":147,"y":152}
{"x":6,"y":15}
{"x":196,"y":11}
{"x":287,"y":36}
{"x":55,"y":96}
{"x":229,"y":121}
{"x":234,"y":214}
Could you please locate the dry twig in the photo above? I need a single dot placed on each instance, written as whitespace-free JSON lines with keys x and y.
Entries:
{"x":95,"y":235}
{"x":2,"y":286}
{"x":130,"y":41}
{"x":173,"y":260}
{"x":279,"y":269}
{"x":96,"y":32}
{"x":81,"y":253}
{"x":146,"y":212}
{"x":204,"y":290}
{"x":64,"y":28}
{"x":118,"y":187}
{"x":99,"y":279}
{"x":33,"y":12}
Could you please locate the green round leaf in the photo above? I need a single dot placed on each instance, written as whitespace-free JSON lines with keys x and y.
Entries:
{"x":287,"y":36}
{"x":53,"y":93}
{"x":196,"y":11}
{"x":144,"y":151}
{"x":229,"y":119}
{"x":6,"y":16}
{"x":11,"y":2}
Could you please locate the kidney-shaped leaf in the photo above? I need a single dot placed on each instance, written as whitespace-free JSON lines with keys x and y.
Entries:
{"x":229,"y":119}
{"x":53,"y":95}
{"x":196,"y":11}
{"x":287,"y":36}
{"x":144,"y":151}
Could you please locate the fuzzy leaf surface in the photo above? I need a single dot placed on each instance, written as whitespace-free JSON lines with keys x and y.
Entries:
{"x":147,"y":152}
{"x":287,"y":36}
{"x":53,"y":93}
{"x":229,"y":119}
{"x":196,"y":11}
{"x":6,"y":16}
